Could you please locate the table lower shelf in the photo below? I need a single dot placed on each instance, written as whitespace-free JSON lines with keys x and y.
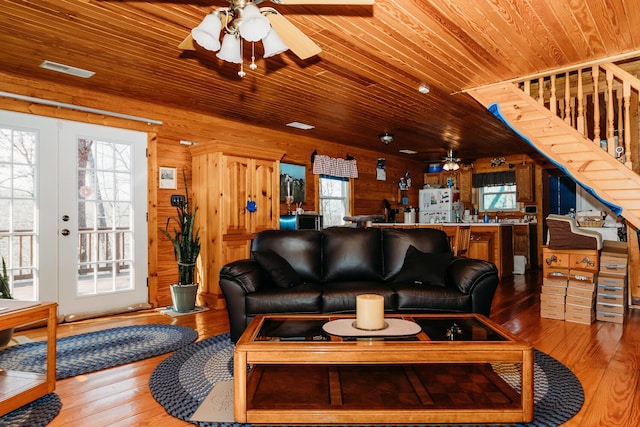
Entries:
{"x":380,"y":393}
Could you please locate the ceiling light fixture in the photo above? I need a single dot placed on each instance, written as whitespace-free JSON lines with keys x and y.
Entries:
{"x":241,"y":21}
{"x":386,"y":138}
{"x":450,"y":163}
{"x":423,"y":88}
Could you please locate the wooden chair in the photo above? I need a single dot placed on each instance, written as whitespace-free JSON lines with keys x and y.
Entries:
{"x":461,"y":240}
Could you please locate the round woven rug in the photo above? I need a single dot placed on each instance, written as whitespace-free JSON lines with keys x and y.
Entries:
{"x":84,"y":353}
{"x":183,"y":380}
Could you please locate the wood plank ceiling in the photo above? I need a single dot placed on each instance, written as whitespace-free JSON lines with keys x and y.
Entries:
{"x":364,"y":82}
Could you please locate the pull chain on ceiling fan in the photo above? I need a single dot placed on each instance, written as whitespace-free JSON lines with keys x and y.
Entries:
{"x":243,"y":20}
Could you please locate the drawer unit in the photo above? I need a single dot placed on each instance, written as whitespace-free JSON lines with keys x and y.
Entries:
{"x":583,"y":276}
{"x":586,"y":286}
{"x":610,"y":308}
{"x":555,"y":282}
{"x":553,"y":273}
{"x":606,"y":316}
{"x":578,"y":309}
{"x":582,"y":302}
{"x":586,"y":318}
{"x":616,"y":281}
{"x":552,"y":298}
{"x":554,"y":306}
{"x":551,"y":314}
{"x":555,"y":259}
{"x":554,"y":290}
{"x":584,"y":261}
{"x":580,"y":292}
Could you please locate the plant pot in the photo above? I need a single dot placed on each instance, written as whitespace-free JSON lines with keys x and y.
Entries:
{"x":184,"y":297}
{"x":5,"y":336}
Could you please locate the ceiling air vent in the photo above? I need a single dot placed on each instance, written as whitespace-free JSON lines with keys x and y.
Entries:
{"x":67,"y":69}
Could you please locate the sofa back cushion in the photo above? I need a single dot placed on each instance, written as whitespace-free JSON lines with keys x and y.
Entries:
{"x":396,"y":241}
{"x":300,"y":248}
{"x":352,"y":254}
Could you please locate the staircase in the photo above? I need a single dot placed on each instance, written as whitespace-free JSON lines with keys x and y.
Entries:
{"x":551,"y":112}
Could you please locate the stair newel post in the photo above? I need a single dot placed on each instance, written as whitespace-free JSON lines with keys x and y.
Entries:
{"x":580,"y":115}
{"x":595,"y":72}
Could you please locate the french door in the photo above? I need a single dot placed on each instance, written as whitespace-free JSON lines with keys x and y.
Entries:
{"x":75,"y":227}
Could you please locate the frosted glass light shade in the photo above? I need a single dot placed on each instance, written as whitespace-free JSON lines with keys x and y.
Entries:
{"x":207,"y":33}
{"x":254,"y":25}
{"x":273,"y":44}
{"x":230,"y":50}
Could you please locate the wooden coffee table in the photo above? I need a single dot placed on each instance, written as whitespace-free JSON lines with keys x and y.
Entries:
{"x":288,"y":370}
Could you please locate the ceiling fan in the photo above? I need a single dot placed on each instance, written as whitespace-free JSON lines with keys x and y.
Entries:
{"x":244,"y":20}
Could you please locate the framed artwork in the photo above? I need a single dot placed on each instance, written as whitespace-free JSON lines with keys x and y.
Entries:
{"x":292,"y":182}
{"x":168,"y":178}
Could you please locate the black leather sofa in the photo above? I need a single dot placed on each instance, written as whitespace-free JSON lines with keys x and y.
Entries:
{"x":309,"y":271}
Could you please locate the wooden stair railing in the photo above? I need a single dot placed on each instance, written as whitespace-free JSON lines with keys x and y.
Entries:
{"x":581,"y":95}
{"x":586,"y":161}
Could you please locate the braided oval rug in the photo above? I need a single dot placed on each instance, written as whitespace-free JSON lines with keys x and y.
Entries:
{"x":182,"y":381}
{"x":84,"y":353}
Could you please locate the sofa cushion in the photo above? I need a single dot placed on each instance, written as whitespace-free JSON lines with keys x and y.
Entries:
{"x":340,"y":297}
{"x":423,"y":268}
{"x":305,"y":298}
{"x":352,"y":254}
{"x":396,"y":241}
{"x":301,"y":248}
{"x":429,"y":298}
{"x":277,"y":268}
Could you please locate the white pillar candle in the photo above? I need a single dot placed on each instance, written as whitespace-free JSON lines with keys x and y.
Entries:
{"x":370,"y":312}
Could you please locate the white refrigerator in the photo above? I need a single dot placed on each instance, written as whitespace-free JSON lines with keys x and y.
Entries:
{"x":439,"y":205}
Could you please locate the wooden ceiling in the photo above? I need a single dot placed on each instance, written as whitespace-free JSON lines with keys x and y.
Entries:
{"x":364,"y":82}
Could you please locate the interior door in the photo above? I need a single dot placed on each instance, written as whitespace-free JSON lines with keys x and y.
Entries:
{"x":73,"y":212}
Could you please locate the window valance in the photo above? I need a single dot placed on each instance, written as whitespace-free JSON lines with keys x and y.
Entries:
{"x":341,"y":168}
{"x":494,"y":179}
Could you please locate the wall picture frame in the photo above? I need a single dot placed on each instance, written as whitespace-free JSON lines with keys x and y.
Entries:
{"x":292,"y":182}
{"x":168,"y":178}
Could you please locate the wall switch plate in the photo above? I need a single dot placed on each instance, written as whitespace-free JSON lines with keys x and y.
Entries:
{"x":178,"y":200}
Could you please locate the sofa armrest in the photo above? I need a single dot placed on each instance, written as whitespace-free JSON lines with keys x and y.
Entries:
{"x":477,"y":278}
{"x":237,"y":279}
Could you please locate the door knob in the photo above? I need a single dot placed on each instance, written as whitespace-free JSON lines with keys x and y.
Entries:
{"x":65,"y":232}
{"x":65,"y":218}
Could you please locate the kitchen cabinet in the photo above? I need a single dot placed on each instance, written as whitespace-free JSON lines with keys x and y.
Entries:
{"x":524,"y":183}
{"x":225,"y":179}
{"x":462,"y":180}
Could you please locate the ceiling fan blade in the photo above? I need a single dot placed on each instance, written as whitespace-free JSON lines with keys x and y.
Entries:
{"x":291,"y":36}
{"x":327,"y":2}
{"x":187,"y":43}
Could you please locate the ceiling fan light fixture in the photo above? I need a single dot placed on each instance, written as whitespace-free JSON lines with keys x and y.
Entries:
{"x":386,"y":138}
{"x":253,"y":26}
{"x":273,"y":44}
{"x":230,"y":50}
{"x":450,"y":162}
{"x":207,"y":33}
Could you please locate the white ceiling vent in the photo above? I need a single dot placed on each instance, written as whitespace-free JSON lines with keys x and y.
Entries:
{"x":299,"y":125}
{"x":67,"y":69}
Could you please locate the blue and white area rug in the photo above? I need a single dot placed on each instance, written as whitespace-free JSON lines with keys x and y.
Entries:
{"x":183,"y":381}
{"x":84,"y":353}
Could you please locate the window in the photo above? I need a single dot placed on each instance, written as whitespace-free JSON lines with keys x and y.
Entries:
{"x":334,"y":200}
{"x":498,"y":198}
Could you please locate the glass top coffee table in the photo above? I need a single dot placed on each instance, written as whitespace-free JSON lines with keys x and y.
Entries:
{"x":289,"y":370}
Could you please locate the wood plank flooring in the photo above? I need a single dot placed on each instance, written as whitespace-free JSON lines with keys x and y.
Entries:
{"x":604,"y":356}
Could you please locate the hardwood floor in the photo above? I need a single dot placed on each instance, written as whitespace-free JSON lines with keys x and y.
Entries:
{"x":604,"y":356}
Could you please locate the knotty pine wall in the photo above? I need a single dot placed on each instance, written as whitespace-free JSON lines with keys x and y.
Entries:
{"x":164,"y":149}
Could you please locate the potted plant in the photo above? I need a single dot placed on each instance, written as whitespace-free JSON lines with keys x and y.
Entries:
{"x":186,"y":247}
{"x":5,"y":293}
